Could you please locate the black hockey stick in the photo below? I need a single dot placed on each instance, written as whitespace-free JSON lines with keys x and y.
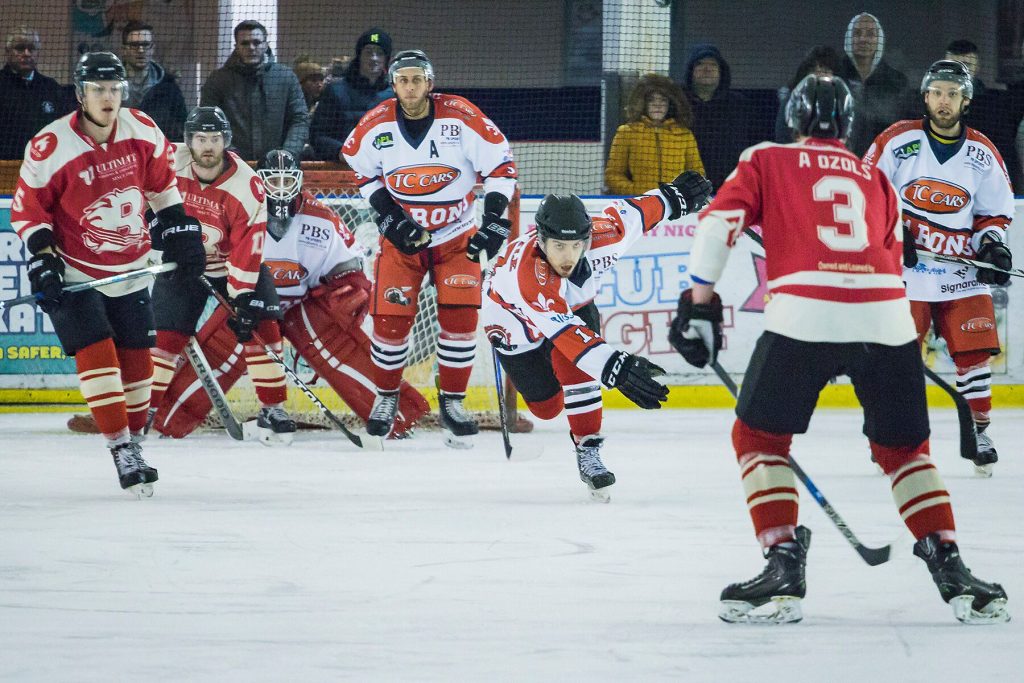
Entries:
{"x":367,"y":442}
{"x":93,"y":284}
{"x":963,"y":261}
{"x":873,"y":556}
{"x":213,"y":390}
{"x":502,"y":415}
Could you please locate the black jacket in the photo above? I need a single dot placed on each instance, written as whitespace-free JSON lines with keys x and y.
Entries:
{"x":879,"y":101}
{"x":341,"y":105}
{"x":165,"y":104}
{"x":27,"y":106}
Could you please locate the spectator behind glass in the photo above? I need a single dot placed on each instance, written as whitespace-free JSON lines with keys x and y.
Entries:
{"x":822,"y":60}
{"x":150,"y":87}
{"x":655,"y":144}
{"x":723,"y":122}
{"x":882,"y":95}
{"x":311,"y":79}
{"x":343,"y":102}
{"x":28,"y":99}
{"x":261,"y":98}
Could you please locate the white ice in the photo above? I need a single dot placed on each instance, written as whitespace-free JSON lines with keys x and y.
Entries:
{"x":321,"y":563}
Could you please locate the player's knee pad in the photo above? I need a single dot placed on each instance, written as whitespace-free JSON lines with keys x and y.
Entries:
{"x":455,"y":320}
{"x":747,"y":439}
{"x":392,"y":327}
{"x":547,"y":409}
{"x":891,"y":458}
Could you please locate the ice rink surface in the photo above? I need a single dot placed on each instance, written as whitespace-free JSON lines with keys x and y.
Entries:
{"x":322,"y":563}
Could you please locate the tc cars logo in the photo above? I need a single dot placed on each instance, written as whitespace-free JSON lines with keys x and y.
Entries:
{"x":935,"y":196}
{"x":977,"y":325}
{"x":286,"y":273}
{"x":422,"y":180}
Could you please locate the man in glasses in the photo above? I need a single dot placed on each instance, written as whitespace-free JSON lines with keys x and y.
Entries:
{"x":151,"y":87}
{"x":28,"y":99}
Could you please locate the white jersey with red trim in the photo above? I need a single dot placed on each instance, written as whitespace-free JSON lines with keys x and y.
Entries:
{"x":525,"y":301}
{"x":948,"y":206}
{"x":315,"y":243}
{"x":94,"y":197}
{"x":233,"y":214}
{"x":832,"y":242}
{"x":432,"y":178}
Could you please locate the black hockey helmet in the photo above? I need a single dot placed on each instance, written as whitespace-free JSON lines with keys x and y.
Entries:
{"x":563,"y":217}
{"x":411,"y":58}
{"x":99,"y":66}
{"x":820,"y":107}
{"x":207,"y":120}
{"x":282,"y":180}
{"x":949,"y":70}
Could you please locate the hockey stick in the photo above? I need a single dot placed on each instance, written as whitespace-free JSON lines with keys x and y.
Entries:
{"x":1016,"y":272}
{"x":873,"y":556}
{"x":93,"y":284}
{"x":502,"y":415}
{"x":213,"y":390}
{"x":366,"y":441}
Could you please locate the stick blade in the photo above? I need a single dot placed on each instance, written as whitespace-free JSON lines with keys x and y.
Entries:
{"x":875,"y":556}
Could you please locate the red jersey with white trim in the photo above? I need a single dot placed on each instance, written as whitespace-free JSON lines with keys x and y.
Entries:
{"x":93,"y":197}
{"x":526,"y":301}
{"x":948,"y":206}
{"x":832,"y":242}
{"x":315,"y":243}
{"x":234,"y":218}
{"x":432,"y":178}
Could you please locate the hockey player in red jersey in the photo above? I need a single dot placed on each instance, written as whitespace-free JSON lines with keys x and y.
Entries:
{"x":832,"y":240}
{"x":956,"y":199}
{"x":419,"y":156}
{"x":539,"y":312}
{"x":85,"y":183}
{"x":317,"y":270}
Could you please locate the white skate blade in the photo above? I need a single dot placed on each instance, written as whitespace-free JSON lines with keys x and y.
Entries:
{"x":459,"y":442}
{"x":601,"y":495}
{"x":781,"y":609}
{"x":140,"y":491}
{"x":994,"y":612}
{"x":268,"y":437}
{"x":983,"y":471}
{"x":369,"y":442}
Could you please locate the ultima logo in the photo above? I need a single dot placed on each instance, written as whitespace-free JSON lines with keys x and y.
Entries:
{"x":935,"y":196}
{"x":422,"y":180}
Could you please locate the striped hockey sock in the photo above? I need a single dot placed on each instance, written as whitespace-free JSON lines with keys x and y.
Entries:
{"x":266,"y":375}
{"x":137,"y":375}
{"x":455,"y":355}
{"x":99,"y":377}
{"x":922,"y":499}
{"x":975,"y":384}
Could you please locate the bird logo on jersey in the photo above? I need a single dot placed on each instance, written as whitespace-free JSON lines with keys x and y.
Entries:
{"x":114,"y":221}
{"x":935,"y":196}
{"x":43,"y":146}
{"x":422,"y":180}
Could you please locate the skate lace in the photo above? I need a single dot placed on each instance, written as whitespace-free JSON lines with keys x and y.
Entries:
{"x":384,"y":407}
{"x":276,"y":414}
{"x":454,"y":408}
{"x":984,"y":442}
{"x":590,"y":460}
{"x":128,"y":457}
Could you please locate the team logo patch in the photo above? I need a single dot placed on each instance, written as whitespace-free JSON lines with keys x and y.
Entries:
{"x":908,"y":150}
{"x":258,"y":191}
{"x":114,"y":221}
{"x":394,"y":295}
{"x":978,"y":325}
{"x":383,"y":140}
{"x":462,"y":281}
{"x":143,"y":118}
{"x":460,"y":106}
{"x":286,"y":273}
{"x":422,"y":180}
{"x":935,"y":196}
{"x":541,"y":271}
{"x":43,"y":146}
{"x":498,"y":336}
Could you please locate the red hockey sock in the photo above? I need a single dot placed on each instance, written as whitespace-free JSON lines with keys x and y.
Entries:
{"x":99,"y":377}
{"x":583,"y":403}
{"x":266,"y":375}
{"x":922,"y":498}
{"x":389,"y":348}
{"x":549,"y":409}
{"x":169,"y":345}
{"x":768,"y":481}
{"x":974,"y":382}
{"x":137,"y":375}
{"x":456,"y":347}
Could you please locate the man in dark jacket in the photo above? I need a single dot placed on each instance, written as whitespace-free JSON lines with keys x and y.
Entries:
{"x":261,"y":98}
{"x":344,"y":101}
{"x":723,"y":121}
{"x":28,"y":99}
{"x":150,"y":87}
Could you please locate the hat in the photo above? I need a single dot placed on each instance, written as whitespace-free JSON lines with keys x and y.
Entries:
{"x":304,"y":70}
{"x":374,"y":36}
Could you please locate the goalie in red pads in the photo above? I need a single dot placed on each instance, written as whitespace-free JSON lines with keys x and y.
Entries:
{"x":325,"y":295}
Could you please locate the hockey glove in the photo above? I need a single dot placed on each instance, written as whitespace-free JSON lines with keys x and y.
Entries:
{"x":46,"y":276}
{"x":634,"y":377}
{"x":493,"y":232}
{"x":909,"y":249}
{"x":696,"y":332}
{"x":182,"y":243}
{"x":403,"y":232}
{"x":248,"y":309}
{"x":688,"y":193}
{"x":346,"y":295}
{"x":998,"y":254}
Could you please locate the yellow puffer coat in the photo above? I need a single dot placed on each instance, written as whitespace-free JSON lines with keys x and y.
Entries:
{"x":643,"y":155}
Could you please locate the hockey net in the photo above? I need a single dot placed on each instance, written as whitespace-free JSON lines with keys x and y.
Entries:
{"x":338,"y":190}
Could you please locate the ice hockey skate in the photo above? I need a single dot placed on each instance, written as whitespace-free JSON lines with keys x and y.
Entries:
{"x":457,"y":425}
{"x":973,"y":601}
{"x":272,"y":426}
{"x":781,"y":587}
{"x":987,"y":456}
{"x":382,"y":415}
{"x":593,"y":473}
{"x":135,"y":475}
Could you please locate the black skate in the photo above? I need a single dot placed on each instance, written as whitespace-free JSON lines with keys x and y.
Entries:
{"x":973,"y":601}
{"x":782,"y":583}
{"x":593,"y":473}
{"x":274,"y":426}
{"x":382,"y":415}
{"x":457,"y":425}
{"x":135,"y":475}
{"x":987,"y":456}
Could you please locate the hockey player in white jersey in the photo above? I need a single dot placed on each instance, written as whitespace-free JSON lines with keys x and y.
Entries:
{"x":956,"y":199}
{"x":419,"y":156}
{"x":539,"y":312}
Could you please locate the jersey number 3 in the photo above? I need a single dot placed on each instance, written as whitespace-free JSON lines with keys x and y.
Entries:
{"x":851,"y":231}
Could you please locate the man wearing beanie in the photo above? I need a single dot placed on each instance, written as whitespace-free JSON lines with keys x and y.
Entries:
{"x":345,"y":100}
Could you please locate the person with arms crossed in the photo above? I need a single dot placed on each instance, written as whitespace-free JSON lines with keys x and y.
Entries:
{"x":418,"y":156}
{"x":832,"y":241}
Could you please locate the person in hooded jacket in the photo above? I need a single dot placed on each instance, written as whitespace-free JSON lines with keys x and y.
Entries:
{"x":820,"y":60}
{"x":655,"y":144}
{"x":345,"y":100}
{"x":880,"y":91}
{"x":261,"y":98}
{"x":723,"y":120}
{"x":151,"y":88}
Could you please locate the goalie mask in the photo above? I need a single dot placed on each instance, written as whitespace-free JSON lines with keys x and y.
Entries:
{"x":282,"y":180}
{"x":952,"y":71}
{"x":207,"y":120}
{"x":820,"y":107}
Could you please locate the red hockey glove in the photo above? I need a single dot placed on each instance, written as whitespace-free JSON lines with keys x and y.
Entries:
{"x":345,"y":294}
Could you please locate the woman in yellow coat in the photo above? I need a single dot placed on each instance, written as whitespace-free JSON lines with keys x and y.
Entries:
{"x":655,"y":144}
